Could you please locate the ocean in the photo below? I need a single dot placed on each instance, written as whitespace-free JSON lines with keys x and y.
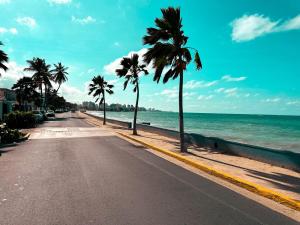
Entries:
{"x":276,"y":132}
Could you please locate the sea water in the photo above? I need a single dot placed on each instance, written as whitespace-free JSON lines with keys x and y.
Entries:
{"x":276,"y":132}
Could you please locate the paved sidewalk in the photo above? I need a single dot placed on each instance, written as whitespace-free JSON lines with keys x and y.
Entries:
{"x":279,"y":179}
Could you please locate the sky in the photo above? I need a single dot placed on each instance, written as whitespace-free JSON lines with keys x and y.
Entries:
{"x":250,"y":50}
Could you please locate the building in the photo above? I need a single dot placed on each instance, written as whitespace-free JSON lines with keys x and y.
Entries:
{"x":7,"y":101}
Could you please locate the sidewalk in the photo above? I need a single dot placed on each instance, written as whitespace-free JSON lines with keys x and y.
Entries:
{"x":278,"y":179}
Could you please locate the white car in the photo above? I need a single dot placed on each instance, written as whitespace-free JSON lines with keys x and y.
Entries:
{"x":50,"y":113}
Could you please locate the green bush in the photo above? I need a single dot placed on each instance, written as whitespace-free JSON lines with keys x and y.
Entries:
{"x":9,"y":135}
{"x":19,"y":120}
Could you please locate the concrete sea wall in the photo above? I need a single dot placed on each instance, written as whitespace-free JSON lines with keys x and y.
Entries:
{"x":287,"y":159}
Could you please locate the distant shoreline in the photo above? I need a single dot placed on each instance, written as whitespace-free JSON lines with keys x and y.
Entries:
{"x":213,"y":113}
{"x":270,"y":131}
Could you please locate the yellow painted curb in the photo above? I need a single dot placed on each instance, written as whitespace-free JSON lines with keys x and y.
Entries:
{"x":260,"y":190}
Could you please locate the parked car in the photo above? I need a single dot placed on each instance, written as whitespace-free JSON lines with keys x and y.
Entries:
{"x":73,"y":110}
{"x":39,"y":117}
{"x":59,"y":110}
{"x":50,"y":113}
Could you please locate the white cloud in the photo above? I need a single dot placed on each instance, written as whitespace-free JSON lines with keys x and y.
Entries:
{"x":228,"y":92}
{"x":205,"y":97}
{"x":293,"y":103}
{"x":27,"y":21}
{"x":291,"y":24}
{"x":14,"y":72}
{"x":74,"y":94}
{"x":188,"y":95}
{"x":219,"y":90}
{"x":169,"y":93}
{"x":192,"y":84}
{"x":113,"y":81}
{"x":91,"y":70}
{"x":110,"y":69}
{"x":249,"y":27}
{"x":4,"y":1}
{"x":4,"y":30}
{"x":229,"y":78}
{"x":272,"y":100}
{"x":60,"y":2}
{"x":83,"y":21}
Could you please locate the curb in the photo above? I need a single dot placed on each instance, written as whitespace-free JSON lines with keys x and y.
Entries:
{"x":260,"y":190}
{"x":27,"y":135}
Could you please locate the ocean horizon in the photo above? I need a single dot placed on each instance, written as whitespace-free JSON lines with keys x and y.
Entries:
{"x":279,"y":132}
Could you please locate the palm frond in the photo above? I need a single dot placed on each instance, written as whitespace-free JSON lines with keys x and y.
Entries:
{"x":198,"y":61}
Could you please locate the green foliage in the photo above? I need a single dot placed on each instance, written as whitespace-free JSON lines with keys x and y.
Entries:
{"x":19,"y":120}
{"x":198,"y":61}
{"x":3,"y":59}
{"x":9,"y":135}
{"x":98,"y":87}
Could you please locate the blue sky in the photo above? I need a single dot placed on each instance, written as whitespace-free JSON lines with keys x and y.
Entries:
{"x":250,"y":50}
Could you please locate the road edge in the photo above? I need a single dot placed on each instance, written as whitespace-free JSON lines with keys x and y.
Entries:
{"x":254,"y":188}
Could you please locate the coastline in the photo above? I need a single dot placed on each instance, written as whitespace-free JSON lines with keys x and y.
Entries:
{"x":275,"y":178}
{"x":271,"y":132}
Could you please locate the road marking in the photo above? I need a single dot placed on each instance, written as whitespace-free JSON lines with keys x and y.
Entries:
{"x":68,"y":132}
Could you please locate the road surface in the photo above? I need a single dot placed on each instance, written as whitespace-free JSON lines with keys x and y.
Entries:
{"x":71,"y":173}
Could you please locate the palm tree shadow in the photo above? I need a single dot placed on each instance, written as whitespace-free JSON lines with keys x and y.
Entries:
{"x":119,"y":127}
{"x":7,"y":149}
{"x":279,"y":180}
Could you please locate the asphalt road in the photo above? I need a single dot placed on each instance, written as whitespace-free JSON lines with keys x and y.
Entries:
{"x":64,"y":176}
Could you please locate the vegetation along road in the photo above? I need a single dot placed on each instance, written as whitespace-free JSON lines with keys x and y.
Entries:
{"x":70,"y":172}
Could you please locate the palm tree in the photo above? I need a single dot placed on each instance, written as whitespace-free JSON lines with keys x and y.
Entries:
{"x":168,"y":51}
{"x":130,"y":71}
{"x":41,"y":74}
{"x":3,"y":59}
{"x":25,"y":91}
{"x":59,"y":74}
{"x":98,"y":87}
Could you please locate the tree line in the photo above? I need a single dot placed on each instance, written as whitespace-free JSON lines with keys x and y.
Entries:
{"x":166,"y":52}
{"x":38,"y":88}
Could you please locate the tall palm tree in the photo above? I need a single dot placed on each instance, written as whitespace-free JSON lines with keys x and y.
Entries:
{"x":3,"y":59}
{"x":130,"y":71}
{"x":98,"y":87}
{"x":41,"y":74}
{"x":59,"y":74}
{"x":168,"y":51}
{"x":25,"y":91}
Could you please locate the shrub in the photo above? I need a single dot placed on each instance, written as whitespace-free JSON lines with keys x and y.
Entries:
{"x":19,"y":120}
{"x":9,"y":135}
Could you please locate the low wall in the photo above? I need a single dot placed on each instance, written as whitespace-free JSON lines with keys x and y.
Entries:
{"x":117,"y":122}
{"x":157,"y":130}
{"x":287,"y":159}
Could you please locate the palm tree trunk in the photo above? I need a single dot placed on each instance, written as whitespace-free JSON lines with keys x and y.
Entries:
{"x":104,"y":110}
{"x":181,"y":126}
{"x":45,"y":101}
{"x":58,"y":88}
{"x":42,"y":101}
{"x":136,"y":108}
